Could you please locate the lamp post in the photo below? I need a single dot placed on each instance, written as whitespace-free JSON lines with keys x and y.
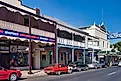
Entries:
{"x":30,"y":48}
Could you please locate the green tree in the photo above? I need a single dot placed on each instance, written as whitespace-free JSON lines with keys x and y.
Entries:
{"x":118,"y":46}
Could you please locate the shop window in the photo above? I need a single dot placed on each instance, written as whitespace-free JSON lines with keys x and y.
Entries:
{"x":21,"y":59}
{"x":43,"y":57}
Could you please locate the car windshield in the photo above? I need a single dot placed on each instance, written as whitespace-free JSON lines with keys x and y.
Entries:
{"x":52,"y":65}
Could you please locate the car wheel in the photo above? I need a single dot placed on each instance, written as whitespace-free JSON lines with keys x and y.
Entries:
{"x":87,"y":68}
{"x":13,"y":77}
{"x":95,"y":67}
{"x":70,"y":71}
{"x":58,"y":73}
{"x":79,"y":69}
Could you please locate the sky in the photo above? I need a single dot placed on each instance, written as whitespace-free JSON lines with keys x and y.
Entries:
{"x":82,"y":12}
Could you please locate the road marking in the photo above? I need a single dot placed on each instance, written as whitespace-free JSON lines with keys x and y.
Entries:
{"x":111,"y":73}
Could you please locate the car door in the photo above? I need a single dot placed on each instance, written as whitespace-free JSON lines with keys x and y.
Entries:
{"x":3,"y":74}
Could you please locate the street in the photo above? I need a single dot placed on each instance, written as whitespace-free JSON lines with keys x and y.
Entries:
{"x":106,"y":74}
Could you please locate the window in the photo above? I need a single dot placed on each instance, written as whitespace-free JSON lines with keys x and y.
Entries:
{"x":43,"y":57}
{"x":103,"y":43}
{"x":26,"y":21}
{"x":61,"y":56}
{"x":107,"y":45}
{"x":21,"y":59}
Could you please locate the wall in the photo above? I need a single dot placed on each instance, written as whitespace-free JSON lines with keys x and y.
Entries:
{"x":18,"y":4}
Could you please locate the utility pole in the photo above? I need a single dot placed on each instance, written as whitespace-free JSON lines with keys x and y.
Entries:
{"x":30,"y":48}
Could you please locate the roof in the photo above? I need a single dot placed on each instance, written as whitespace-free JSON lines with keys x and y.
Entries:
{"x":64,"y":24}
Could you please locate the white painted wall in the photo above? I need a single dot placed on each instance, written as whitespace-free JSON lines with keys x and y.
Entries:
{"x":18,"y":4}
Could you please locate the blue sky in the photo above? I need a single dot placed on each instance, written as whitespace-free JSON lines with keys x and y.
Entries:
{"x":82,"y":12}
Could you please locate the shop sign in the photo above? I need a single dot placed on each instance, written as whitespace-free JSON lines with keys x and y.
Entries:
{"x":13,"y":49}
{"x":4,"y":48}
{"x":25,"y":35}
{"x":21,"y":48}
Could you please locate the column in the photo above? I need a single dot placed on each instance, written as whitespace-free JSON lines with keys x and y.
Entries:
{"x":72,"y":54}
{"x":84,"y":52}
{"x":86,"y":47}
{"x":92,"y":55}
{"x":57,"y":54}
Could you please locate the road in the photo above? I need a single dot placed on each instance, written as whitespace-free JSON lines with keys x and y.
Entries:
{"x":108,"y":74}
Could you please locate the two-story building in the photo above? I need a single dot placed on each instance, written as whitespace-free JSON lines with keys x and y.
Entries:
{"x":74,"y":44}
{"x":15,"y":22}
{"x":101,"y":33}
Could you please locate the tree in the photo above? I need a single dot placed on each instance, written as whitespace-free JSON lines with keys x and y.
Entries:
{"x":118,"y":46}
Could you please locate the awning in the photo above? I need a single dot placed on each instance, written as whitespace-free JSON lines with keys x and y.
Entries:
{"x":15,"y":38}
{"x":23,"y":39}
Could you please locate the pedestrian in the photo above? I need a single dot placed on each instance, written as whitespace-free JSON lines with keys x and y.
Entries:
{"x":12,"y":63}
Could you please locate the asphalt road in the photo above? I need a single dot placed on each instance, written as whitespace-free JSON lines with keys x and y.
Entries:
{"x":108,"y":74}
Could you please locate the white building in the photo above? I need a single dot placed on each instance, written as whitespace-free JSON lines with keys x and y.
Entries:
{"x":99,"y":32}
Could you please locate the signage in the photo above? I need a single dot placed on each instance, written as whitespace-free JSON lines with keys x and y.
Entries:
{"x":25,"y":35}
{"x":114,"y":35}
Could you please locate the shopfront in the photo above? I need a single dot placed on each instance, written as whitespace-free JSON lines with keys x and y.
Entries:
{"x":13,"y":45}
{"x":65,"y":55}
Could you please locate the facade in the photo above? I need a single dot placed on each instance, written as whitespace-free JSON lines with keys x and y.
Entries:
{"x":101,"y":33}
{"x":74,"y":44}
{"x":14,"y":36}
{"x":53,"y":41}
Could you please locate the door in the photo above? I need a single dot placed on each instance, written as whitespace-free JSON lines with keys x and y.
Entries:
{"x":3,"y":74}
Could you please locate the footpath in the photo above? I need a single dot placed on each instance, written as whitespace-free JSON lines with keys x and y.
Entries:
{"x":36,"y":73}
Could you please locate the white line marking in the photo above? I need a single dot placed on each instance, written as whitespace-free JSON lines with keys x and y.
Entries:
{"x":111,"y":73}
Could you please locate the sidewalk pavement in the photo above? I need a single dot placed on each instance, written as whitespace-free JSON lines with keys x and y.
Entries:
{"x":36,"y":73}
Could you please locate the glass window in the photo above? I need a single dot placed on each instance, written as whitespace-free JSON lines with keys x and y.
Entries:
{"x":43,"y":57}
{"x":21,"y":59}
{"x":1,"y":68}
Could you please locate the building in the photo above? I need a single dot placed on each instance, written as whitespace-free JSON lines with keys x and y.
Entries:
{"x":101,"y":33}
{"x":74,"y":44}
{"x":14,"y":35}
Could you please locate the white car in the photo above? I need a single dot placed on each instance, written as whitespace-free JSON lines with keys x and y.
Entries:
{"x":95,"y":65}
{"x":119,"y":64}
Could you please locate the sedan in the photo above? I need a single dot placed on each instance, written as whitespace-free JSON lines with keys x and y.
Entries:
{"x":11,"y":75}
{"x":57,"y":69}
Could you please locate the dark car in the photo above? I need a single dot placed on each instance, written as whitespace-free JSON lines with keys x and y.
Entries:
{"x":79,"y":66}
{"x":105,"y":65}
{"x":115,"y":64}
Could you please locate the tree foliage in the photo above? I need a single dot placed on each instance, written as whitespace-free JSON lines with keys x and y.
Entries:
{"x":118,"y":46}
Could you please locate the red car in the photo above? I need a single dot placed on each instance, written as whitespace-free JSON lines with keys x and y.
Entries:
{"x":57,"y":69}
{"x":11,"y":75}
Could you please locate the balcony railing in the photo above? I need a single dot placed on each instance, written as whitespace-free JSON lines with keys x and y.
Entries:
{"x":25,"y":29}
{"x":69,"y":42}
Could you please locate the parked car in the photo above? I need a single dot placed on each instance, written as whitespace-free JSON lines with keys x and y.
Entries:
{"x":11,"y":75}
{"x":115,"y":64}
{"x":105,"y":65}
{"x":78,"y":66}
{"x":119,"y":64}
{"x":95,"y":65}
{"x":72,"y":66}
{"x":57,"y":69}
